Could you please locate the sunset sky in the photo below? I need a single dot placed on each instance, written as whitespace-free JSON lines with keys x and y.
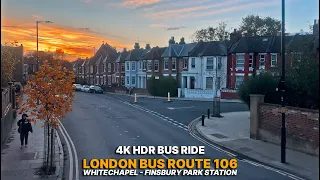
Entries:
{"x":81,"y":25}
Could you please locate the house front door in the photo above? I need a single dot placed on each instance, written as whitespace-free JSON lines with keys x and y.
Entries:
{"x":192,"y":81}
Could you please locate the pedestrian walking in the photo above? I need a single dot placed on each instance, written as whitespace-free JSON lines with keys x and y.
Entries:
{"x":24,"y":127}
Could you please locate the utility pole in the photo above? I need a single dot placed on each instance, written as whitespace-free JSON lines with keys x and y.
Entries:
{"x":282,"y":87}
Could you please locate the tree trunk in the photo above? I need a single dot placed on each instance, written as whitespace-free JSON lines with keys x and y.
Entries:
{"x":52,"y":149}
{"x":48,"y":149}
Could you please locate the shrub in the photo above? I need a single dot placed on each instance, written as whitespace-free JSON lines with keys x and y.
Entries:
{"x":264,"y":83}
{"x":163,"y":85}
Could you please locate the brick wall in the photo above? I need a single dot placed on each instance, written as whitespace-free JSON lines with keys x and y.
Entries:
{"x":302,"y":127}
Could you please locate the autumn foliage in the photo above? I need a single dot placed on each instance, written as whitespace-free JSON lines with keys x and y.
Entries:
{"x":52,"y":85}
{"x":8,"y":63}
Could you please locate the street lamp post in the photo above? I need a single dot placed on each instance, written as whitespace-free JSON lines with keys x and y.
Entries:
{"x":282,"y":87}
{"x":37,"y":22}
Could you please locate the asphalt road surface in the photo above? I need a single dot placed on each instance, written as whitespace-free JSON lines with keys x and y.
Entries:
{"x":180,"y":110}
{"x":99,"y":124}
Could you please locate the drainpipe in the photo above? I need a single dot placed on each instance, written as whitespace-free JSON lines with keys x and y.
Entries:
{"x":201,"y":82}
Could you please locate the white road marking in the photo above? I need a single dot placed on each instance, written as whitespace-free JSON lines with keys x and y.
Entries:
{"x":173,"y":108}
{"x":74,"y":151}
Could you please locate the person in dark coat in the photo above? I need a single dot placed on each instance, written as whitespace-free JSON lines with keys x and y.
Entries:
{"x":24,"y":129}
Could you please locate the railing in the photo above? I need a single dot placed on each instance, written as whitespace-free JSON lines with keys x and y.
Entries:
{"x":200,"y":93}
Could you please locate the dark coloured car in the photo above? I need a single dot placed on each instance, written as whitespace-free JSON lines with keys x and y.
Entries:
{"x":95,"y":89}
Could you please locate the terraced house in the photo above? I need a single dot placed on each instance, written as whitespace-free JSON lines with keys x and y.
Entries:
{"x":175,"y":60}
{"x":131,"y":63}
{"x":120,"y":71}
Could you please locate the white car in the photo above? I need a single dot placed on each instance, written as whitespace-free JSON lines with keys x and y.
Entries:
{"x":85,"y":88}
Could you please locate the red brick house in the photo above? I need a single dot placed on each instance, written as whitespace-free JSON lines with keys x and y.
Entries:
{"x":119,"y":64}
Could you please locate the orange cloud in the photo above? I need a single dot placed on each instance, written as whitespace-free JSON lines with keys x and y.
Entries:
{"x":138,"y":3}
{"x":75,"y":42}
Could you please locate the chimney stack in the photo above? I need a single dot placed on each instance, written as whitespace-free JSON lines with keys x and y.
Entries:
{"x":124,"y":49}
{"x":148,"y":47}
{"x":136,"y":46}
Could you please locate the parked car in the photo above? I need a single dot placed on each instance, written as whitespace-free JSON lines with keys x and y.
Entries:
{"x":85,"y":88}
{"x":78,"y":87}
{"x":95,"y":89}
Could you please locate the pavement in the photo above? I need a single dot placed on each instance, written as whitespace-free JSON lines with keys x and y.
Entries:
{"x":99,"y":124}
{"x":17,"y":164}
{"x":232,"y":132}
{"x":180,"y":110}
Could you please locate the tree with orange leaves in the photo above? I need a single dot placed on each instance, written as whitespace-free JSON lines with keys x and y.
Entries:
{"x":53,"y":87}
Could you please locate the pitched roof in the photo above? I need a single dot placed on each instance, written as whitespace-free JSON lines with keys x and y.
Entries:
{"x":122,"y":56}
{"x":155,"y":53}
{"x":177,"y":50}
{"x":104,"y":53}
{"x":270,"y":44}
{"x":212,"y":48}
{"x":134,"y":54}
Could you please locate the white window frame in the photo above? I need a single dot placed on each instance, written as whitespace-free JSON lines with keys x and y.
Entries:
{"x":185,"y":63}
{"x":117,"y":67}
{"x":133,"y":66}
{"x":140,"y":65}
{"x":122,"y":81}
{"x":156,"y":62}
{"x":174,"y":61}
{"x":207,"y":60}
{"x":207,"y":82}
{"x":250,"y":61}
{"x":166,"y":62}
{"x":91,"y":68}
{"x":193,"y":63}
{"x":109,"y":80}
{"x":149,"y":62}
{"x":237,"y":59}
{"x":264,"y":61}
{"x":109,"y":67}
{"x":128,"y":80}
{"x":144,"y":65}
{"x":272,"y":60}
{"x":237,"y":76}
{"x":219,"y":64}
{"x":128,"y":66}
{"x":123,"y":67}
{"x":133,"y":79}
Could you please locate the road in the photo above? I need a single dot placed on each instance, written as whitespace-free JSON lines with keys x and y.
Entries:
{"x":99,"y":124}
{"x":180,"y":110}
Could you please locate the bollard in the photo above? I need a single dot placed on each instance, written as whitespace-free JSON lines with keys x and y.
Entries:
{"x":208,"y":113}
{"x":202,"y":119}
{"x":168,"y":96}
{"x":135,"y":98}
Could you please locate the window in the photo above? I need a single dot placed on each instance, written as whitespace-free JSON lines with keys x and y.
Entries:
{"x":33,"y":68}
{"x":144,"y":65}
{"x":174,"y":64}
{"x":240,"y":61}
{"x":185,"y":63}
{"x":149,"y":65}
{"x":140,"y":65}
{"x":156,"y":65}
{"x":239,"y":80}
{"x":262,"y":60}
{"x":274,"y":60}
{"x":109,"y":80}
{"x":209,"y":63}
{"x":109,"y":67}
{"x":209,"y":82}
{"x":127,"y":66}
{"x":128,"y":80}
{"x":218,"y":83}
{"x":122,"y":67}
{"x":219,"y":62}
{"x":250,"y":61}
{"x":114,"y":67}
{"x":83,"y":69}
{"x":104,"y":80}
{"x":133,"y":66}
{"x":133,"y":80}
{"x":91,"y":69}
{"x":166,"y":64}
{"x":122,"y":81}
{"x":193,"y":62}
{"x":117,"y":68}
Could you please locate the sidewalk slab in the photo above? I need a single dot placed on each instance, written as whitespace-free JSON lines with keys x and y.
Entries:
{"x":17,"y":164}
{"x":232,"y":132}
{"x":176,"y":98}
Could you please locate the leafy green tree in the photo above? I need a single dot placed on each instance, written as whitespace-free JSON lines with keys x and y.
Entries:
{"x":218,"y":33}
{"x":254,"y":25}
